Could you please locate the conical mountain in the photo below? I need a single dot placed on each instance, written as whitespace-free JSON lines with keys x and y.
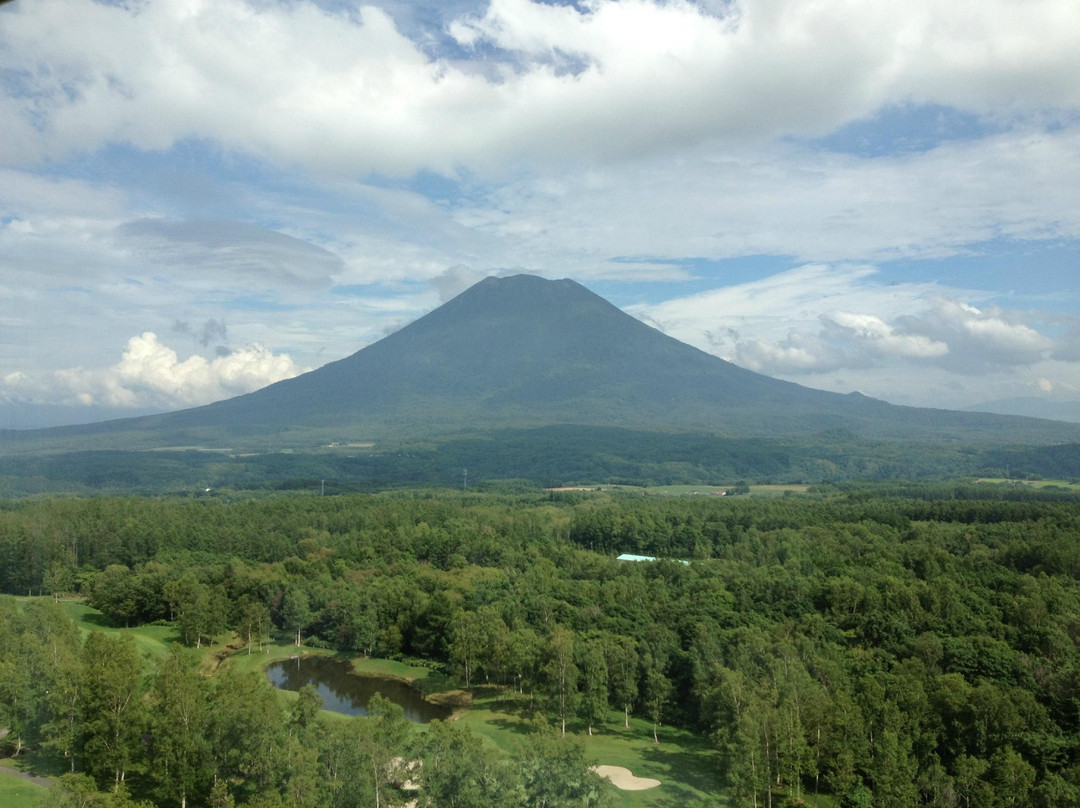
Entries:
{"x":516,"y":351}
{"x":523,"y":351}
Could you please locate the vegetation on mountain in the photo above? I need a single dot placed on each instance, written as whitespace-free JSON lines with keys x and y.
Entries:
{"x":521,"y":353}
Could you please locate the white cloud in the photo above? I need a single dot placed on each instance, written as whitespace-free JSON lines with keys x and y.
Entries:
{"x":232,"y":251}
{"x":875,"y":335}
{"x":818,"y":319}
{"x":349,"y":92}
{"x":150,"y":374}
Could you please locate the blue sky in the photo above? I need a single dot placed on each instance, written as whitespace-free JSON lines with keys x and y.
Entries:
{"x":200,"y":198}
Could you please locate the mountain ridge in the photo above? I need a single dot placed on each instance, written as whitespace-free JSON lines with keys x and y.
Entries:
{"x":523,"y":352}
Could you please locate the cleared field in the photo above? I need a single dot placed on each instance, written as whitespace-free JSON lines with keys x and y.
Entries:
{"x":717,"y":491}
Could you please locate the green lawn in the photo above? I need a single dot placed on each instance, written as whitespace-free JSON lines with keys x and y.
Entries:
{"x":16,"y":792}
{"x":152,"y":641}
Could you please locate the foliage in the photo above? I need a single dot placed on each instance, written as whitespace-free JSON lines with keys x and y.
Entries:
{"x":909,"y":645}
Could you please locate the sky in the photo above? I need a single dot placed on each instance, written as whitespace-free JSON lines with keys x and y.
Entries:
{"x":202,"y":197}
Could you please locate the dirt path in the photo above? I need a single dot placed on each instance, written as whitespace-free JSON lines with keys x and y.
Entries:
{"x":44,"y":782}
{"x":623,"y":778}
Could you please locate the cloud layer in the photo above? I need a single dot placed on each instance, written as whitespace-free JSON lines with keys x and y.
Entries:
{"x":767,"y":179}
{"x":348,"y":91}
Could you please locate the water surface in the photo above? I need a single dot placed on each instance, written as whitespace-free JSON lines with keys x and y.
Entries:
{"x":342,"y":691}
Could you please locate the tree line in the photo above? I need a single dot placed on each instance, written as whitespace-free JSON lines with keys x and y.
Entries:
{"x":901,"y":650}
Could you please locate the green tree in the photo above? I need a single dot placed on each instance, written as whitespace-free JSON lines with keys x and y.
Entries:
{"x":181,"y":750}
{"x":622,"y":665}
{"x":112,"y":708}
{"x":594,"y":682}
{"x":383,"y":743}
{"x":467,"y":641}
{"x":555,"y":774}
{"x":1013,"y":777}
{"x":296,"y":612}
{"x":456,"y":771}
{"x":561,"y":673}
{"x":656,"y":689}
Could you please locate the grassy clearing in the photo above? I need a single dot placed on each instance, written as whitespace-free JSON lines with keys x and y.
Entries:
{"x":152,"y":641}
{"x":15,"y":792}
{"x":717,"y":490}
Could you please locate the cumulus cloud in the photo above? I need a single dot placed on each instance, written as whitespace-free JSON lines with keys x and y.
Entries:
{"x":818,"y":319}
{"x":979,"y":339}
{"x":151,"y":374}
{"x":348,"y":91}
{"x":873,"y":335}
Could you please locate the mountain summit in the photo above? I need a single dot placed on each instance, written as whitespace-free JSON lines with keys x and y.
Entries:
{"x":523,"y":351}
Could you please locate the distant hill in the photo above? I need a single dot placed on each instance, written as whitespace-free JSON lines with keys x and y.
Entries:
{"x":1032,"y":407}
{"x":520,"y":353}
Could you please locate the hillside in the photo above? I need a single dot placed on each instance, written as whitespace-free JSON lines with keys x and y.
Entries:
{"x":523,"y":352}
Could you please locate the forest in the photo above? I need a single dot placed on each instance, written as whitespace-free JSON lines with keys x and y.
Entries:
{"x":900,"y":645}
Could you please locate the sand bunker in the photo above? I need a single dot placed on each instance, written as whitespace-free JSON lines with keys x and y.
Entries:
{"x":623,"y":778}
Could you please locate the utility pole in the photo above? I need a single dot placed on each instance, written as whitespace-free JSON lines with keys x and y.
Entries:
{"x":322,"y":488}
{"x":464,"y":478}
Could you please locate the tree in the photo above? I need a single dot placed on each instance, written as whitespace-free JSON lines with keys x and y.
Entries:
{"x":467,"y":640}
{"x":1013,"y":777}
{"x":296,"y":612}
{"x":382,"y":743}
{"x":656,"y":689}
{"x":305,"y":712}
{"x":555,"y":774}
{"x":622,"y":665}
{"x":522,"y":654}
{"x":246,"y":730}
{"x":594,"y":682}
{"x":181,"y":751}
{"x":253,"y":622}
{"x":112,"y":687}
{"x":456,"y":771}
{"x":561,"y":673}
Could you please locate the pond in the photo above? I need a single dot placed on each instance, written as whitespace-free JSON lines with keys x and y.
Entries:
{"x":342,"y":691}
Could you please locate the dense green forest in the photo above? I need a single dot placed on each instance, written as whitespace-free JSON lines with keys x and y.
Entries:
{"x":911,"y":645}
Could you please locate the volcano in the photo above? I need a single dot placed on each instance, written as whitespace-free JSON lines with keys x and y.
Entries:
{"x":525,"y":352}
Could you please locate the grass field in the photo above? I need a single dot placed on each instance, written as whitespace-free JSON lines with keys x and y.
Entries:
{"x":714,"y":490}
{"x":15,"y":792}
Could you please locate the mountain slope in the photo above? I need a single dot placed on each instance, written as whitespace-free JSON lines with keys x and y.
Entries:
{"x":524,"y":352}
